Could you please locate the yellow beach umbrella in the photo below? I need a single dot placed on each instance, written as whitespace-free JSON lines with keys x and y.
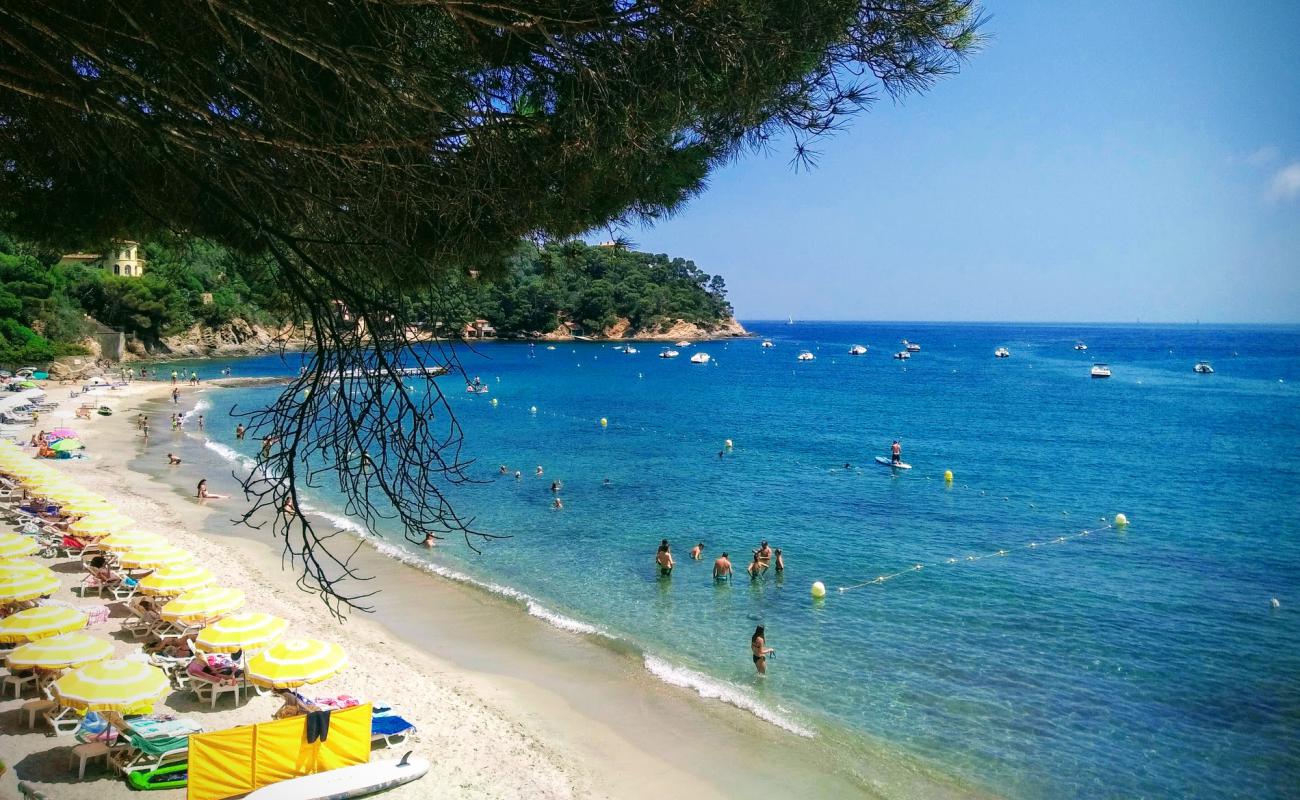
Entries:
{"x":131,"y":540}
{"x":102,"y":524}
{"x":13,"y":545}
{"x":294,"y":662}
{"x":127,"y":687}
{"x":60,"y":652}
{"x":40,"y":622}
{"x":252,"y":630}
{"x":25,"y":580}
{"x":150,"y":556}
{"x":174,"y":580}
{"x":209,"y":602}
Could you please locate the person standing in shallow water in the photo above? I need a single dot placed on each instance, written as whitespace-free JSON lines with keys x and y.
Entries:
{"x":759,"y":650}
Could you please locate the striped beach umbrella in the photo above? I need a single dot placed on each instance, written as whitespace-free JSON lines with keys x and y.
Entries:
{"x":13,"y":545}
{"x":60,"y":652}
{"x":127,"y":687}
{"x":175,"y":580}
{"x":102,"y":524}
{"x":132,"y":539}
{"x":21,"y":579}
{"x":210,"y":602}
{"x":151,"y":556}
{"x":40,"y":622}
{"x":294,"y":662}
{"x":250,"y":631}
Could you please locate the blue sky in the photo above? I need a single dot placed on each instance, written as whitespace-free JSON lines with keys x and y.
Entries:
{"x":1098,"y":161}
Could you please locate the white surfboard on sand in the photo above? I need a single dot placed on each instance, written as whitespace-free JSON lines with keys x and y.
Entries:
{"x":347,"y":782}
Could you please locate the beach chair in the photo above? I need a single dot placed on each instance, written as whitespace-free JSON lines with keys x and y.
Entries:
{"x":141,"y":753}
{"x":174,"y":667}
{"x":143,"y":619}
{"x":17,"y":680}
{"x":390,"y":729}
{"x":208,"y":686}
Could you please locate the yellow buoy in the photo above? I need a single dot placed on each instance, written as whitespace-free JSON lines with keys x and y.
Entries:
{"x":494,"y":401}
{"x":603,"y":422}
{"x":947,"y":475}
{"x":1121,"y":520}
{"x":818,"y":590}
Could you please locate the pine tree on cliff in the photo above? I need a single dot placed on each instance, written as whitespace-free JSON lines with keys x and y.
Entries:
{"x":372,"y":147}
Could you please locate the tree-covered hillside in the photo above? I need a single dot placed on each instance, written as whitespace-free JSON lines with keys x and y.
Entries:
{"x":44,"y":304}
{"x":592,"y":287}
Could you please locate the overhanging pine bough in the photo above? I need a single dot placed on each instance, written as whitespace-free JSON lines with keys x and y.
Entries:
{"x":373,"y":148}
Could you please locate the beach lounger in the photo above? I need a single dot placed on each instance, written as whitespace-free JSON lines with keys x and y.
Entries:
{"x":174,"y":667}
{"x":208,"y":685}
{"x":148,"y":742}
{"x":390,"y":729}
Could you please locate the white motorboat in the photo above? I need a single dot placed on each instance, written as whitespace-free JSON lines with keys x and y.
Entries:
{"x":700,"y":358}
{"x":1002,"y":352}
{"x":1080,"y":346}
{"x":902,"y":355}
{"x":669,"y":354}
{"x":1203,"y":367}
{"x":1100,"y":371}
{"x":806,"y":356}
{"x":857,"y":350}
{"x":550,"y":347}
{"x":768,"y":343}
{"x":629,"y":349}
{"x":683,"y":343}
{"x":911,"y":347}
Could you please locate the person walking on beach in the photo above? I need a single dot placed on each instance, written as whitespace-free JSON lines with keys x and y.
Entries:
{"x":697,"y":551}
{"x":664,"y":558}
{"x":759,"y":649}
{"x":175,"y":376}
{"x":200,"y":422}
{"x":722,"y":568}
{"x":896,"y":453}
{"x":176,"y":395}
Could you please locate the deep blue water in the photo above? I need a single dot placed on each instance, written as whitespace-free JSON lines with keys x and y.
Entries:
{"x":1137,"y":662}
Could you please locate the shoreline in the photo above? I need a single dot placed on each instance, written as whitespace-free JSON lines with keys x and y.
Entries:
{"x":569,"y":717}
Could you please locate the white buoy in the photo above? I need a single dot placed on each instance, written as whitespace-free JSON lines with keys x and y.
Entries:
{"x":1120,"y":520}
{"x":533,"y":409}
{"x":1275,"y":603}
{"x":818,"y":590}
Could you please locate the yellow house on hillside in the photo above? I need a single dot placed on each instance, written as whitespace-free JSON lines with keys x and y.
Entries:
{"x":123,"y":259}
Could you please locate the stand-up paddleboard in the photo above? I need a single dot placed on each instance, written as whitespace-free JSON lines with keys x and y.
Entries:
{"x":889,"y":463}
{"x":346,"y":782}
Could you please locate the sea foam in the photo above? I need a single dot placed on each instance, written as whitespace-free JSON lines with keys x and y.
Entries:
{"x":715,"y":689}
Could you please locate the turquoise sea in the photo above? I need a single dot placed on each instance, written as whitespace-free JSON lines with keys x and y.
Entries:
{"x":1145,"y":661}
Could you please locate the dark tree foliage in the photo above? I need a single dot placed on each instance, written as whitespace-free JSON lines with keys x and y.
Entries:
{"x":590,"y":286}
{"x":373,"y":147}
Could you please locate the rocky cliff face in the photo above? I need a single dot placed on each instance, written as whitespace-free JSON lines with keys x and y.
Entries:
{"x":235,"y":338}
{"x":666,"y":332}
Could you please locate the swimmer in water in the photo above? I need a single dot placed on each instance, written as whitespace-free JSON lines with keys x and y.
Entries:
{"x":203,"y":494}
{"x":664,"y":558}
{"x":172,"y":460}
{"x":539,"y":470}
{"x":763,"y":555}
{"x":780,"y":562}
{"x":759,"y":649}
{"x":555,"y":487}
{"x":697,"y":551}
{"x":722,"y":568}
{"x":607,"y":483}
{"x":502,"y":469}
{"x":518,"y":475}
{"x":557,"y":505}
{"x":428,"y":541}
{"x":755,"y":568}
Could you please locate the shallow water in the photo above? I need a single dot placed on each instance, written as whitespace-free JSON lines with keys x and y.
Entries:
{"x":1143,"y":661}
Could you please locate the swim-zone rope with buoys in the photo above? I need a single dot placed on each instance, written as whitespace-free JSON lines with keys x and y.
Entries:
{"x":880,"y":579}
